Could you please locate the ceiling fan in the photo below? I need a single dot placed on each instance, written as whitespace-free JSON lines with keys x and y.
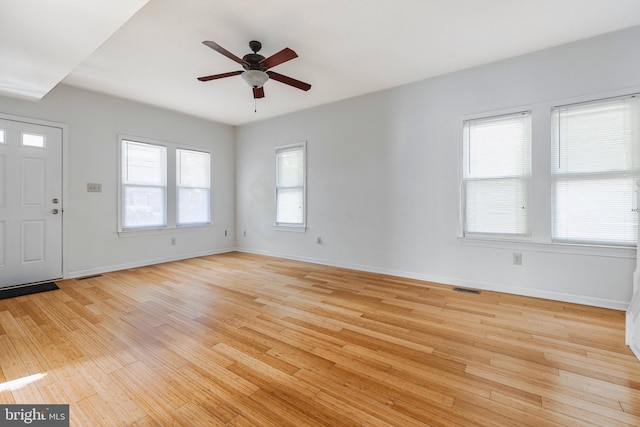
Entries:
{"x":256,"y":67}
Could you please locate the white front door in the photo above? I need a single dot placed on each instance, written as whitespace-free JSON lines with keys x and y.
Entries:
{"x":30,"y":203}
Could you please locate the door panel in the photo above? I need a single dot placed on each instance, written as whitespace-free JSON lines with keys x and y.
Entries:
{"x":33,"y":241}
{"x":2,"y":240}
{"x":3,"y":172}
{"x":33,"y":182}
{"x":30,"y":220}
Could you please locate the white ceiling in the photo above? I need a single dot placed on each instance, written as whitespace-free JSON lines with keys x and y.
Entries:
{"x":43,"y":41}
{"x":346,"y":47}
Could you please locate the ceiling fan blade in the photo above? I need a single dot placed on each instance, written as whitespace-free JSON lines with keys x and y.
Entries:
{"x":284,"y":55}
{"x":219,"y":76}
{"x":215,"y":46}
{"x":289,"y":81}
{"x":258,"y":92}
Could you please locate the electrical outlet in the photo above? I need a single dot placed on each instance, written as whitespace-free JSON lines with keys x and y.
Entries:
{"x":245,"y":233}
{"x":225,"y":233}
{"x":517,"y":259}
{"x":319,"y":240}
{"x":173,"y":241}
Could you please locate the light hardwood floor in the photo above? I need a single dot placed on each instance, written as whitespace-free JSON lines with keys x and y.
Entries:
{"x":247,"y":340}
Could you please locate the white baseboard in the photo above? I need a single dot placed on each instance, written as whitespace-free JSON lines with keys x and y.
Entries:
{"x":143,"y":263}
{"x":455,"y":281}
{"x":446,"y":280}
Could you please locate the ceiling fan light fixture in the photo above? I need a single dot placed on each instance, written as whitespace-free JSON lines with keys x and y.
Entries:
{"x":255,"y":78}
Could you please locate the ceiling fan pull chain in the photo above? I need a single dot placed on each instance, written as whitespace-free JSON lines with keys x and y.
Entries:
{"x":255,"y":105}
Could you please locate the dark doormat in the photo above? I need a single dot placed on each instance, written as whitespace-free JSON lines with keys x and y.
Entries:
{"x":18,"y":291}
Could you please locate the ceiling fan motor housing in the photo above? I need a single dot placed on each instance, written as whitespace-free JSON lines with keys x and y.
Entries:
{"x":254,"y":58}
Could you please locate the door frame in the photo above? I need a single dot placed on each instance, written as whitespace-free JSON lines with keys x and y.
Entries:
{"x":65,"y":174}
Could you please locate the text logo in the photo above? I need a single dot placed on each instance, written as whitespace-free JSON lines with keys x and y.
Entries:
{"x":34,"y":415}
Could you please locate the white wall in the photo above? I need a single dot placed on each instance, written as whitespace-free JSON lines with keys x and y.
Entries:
{"x":383,"y":177}
{"x":92,"y":244}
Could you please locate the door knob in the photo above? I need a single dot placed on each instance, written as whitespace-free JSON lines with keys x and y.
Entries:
{"x":54,"y":211}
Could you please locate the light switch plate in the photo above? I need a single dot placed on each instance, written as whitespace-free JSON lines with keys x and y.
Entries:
{"x":94,"y":188}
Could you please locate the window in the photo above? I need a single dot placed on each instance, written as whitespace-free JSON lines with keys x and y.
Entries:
{"x":194,"y":183}
{"x":496,"y":175}
{"x":290,"y":185}
{"x":595,"y":163}
{"x":33,"y":140}
{"x":144,"y":185}
{"x":163,"y":186}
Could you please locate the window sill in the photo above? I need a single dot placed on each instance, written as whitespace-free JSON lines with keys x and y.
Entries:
{"x":291,"y":228}
{"x":562,"y":248}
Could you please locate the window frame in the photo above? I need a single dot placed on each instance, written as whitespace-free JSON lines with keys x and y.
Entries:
{"x":179,"y":186}
{"x":559,"y":175}
{"x":282,"y":226}
{"x":527,"y":179}
{"x":171,"y":197}
{"x":122,"y":188}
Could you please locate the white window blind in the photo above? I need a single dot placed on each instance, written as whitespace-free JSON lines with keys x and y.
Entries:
{"x":193,"y":182}
{"x":595,"y":163}
{"x":496,"y":175}
{"x":290,"y":185}
{"x":144,"y":185}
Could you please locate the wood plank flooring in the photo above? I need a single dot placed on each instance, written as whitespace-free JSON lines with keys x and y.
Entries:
{"x":247,"y":340}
